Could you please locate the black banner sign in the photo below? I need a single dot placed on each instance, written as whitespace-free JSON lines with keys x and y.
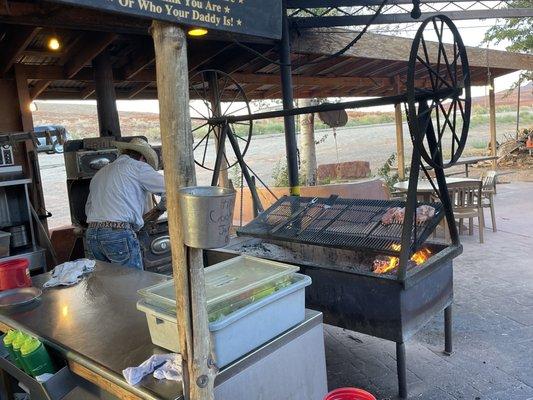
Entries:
{"x":251,"y":17}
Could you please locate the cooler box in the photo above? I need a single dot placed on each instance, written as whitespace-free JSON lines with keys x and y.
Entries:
{"x":250,"y":301}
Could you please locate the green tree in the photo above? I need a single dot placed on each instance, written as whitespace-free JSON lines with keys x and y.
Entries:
{"x":518,"y":31}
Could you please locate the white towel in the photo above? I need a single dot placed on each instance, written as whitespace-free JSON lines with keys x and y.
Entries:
{"x":70,"y":273}
{"x":164,"y":366}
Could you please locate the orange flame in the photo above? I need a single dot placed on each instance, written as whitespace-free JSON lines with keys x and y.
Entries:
{"x":384,"y":266}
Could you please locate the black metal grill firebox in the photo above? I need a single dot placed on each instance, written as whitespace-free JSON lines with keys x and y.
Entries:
{"x":352,"y":296}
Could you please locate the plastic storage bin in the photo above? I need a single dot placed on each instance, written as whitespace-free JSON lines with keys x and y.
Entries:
{"x":229,"y":285}
{"x":243,"y":330}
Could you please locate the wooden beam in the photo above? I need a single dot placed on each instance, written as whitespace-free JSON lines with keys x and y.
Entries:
{"x":24,"y":100}
{"x":106,"y":98}
{"x":98,"y":43}
{"x":187,"y":264}
{"x":399,"y":130}
{"x":42,"y":53}
{"x":39,"y":87}
{"x":300,"y":80}
{"x":143,"y":57}
{"x":88,"y":91}
{"x":492,"y":121}
{"x":138,"y":89}
{"x":13,"y":44}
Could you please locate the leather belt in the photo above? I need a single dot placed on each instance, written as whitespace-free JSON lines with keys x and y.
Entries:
{"x":110,"y":224}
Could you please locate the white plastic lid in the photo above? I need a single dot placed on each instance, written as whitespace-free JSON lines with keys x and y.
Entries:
{"x":225,"y":280}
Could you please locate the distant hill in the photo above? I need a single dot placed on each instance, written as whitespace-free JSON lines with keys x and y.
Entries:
{"x":506,"y":98}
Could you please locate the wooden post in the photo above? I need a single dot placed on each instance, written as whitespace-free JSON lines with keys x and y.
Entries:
{"x":399,"y":130}
{"x":106,"y":101}
{"x":308,"y":145}
{"x":492,"y":121}
{"x":177,"y":141}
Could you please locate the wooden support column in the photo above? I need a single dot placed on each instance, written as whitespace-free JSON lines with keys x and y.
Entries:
{"x":399,"y":130}
{"x":31,"y":160}
{"x":492,"y":121}
{"x":187,"y":264}
{"x":106,"y":100}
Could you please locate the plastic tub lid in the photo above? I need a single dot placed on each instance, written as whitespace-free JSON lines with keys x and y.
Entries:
{"x":226,"y":280}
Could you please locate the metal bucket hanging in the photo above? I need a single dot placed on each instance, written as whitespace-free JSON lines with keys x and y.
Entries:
{"x":206,"y":215}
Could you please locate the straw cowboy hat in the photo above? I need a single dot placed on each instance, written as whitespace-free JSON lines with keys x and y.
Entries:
{"x":141,"y":146}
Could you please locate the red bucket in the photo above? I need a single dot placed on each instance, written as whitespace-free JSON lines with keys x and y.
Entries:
{"x":349,"y":394}
{"x":14,"y":274}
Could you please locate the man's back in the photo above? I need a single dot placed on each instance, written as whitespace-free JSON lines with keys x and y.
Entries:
{"x":118,"y":191}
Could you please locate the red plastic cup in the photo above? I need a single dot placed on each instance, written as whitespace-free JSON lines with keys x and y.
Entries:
{"x":14,"y":274}
{"x":349,"y":394}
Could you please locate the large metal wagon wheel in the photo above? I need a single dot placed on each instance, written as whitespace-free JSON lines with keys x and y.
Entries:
{"x":219,"y":96}
{"x":439,"y":126}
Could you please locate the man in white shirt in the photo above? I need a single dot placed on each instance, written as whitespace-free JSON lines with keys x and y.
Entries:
{"x":117,"y":202}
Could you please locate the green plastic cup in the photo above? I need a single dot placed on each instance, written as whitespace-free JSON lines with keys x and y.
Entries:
{"x":36,"y":358}
{"x":18,"y":341}
{"x":8,"y":344}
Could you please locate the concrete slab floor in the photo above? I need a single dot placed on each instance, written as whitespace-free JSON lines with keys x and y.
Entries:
{"x":493,"y":323}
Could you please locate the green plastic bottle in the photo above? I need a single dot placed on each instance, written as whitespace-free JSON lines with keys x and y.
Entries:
{"x":36,"y":358}
{"x":18,"y":341}
{"x":8,"y":344}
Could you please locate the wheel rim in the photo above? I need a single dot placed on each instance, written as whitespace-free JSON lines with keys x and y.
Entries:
{"x":233,"y":101}
{"x":439,"y":127}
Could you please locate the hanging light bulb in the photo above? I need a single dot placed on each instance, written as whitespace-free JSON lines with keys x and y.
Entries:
{"x":197,"y":32}
{"x":32,"y":106}
{"x":54,"y":43}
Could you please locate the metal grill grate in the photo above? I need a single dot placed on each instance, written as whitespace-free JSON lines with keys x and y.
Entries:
{"x":352,"y":224}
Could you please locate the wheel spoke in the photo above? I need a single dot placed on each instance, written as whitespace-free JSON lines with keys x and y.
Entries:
{"x":444,"y":54}
{"x":200,"y":127}
{"x":205,"y":151}
{"x":431,"y":70}
{"x":424,"y":47}
{"x":203,"y":138}
{"x":232,"y":101}
{"x":202,"y":115}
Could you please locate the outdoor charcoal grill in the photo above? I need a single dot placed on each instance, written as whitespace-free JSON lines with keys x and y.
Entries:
{"x":337,"y":239}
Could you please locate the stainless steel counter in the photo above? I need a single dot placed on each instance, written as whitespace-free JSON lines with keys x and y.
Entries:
{"x":96,"y":324}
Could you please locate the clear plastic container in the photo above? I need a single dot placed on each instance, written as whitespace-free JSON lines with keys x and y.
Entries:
{"x":230,"y":285}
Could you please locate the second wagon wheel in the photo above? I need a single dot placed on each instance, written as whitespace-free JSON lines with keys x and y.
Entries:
{"x":438,"y":126}
{"x":215,"y":94}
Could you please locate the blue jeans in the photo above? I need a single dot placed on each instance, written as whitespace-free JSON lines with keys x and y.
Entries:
{"x":117,"y":246}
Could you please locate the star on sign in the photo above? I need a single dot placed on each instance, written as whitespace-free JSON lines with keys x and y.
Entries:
{"x":226,"y":10}
{"x":239,"y":22}
{"x":241,"y":1}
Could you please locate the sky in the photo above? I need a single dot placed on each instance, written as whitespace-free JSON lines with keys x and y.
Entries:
{"x":472,"y":33}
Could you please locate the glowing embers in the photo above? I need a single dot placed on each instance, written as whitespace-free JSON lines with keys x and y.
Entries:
{"x":385,"y":264}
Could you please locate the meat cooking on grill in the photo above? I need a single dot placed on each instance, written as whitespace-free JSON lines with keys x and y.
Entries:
{"x":424,"y":213}
{"x":395,"y":215}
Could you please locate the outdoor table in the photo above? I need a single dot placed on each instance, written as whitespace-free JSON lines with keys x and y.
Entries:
{"x":425,"y":189}
{"x":467,"y":161}
{"x":96,"y":327}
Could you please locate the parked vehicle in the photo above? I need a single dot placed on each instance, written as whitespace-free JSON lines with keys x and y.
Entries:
{"x":51,"y":138}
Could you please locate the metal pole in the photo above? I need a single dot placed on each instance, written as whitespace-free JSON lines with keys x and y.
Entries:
{"x":214,"y":93}
{"x":288,"y":104}
{"x":448,"y":344}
